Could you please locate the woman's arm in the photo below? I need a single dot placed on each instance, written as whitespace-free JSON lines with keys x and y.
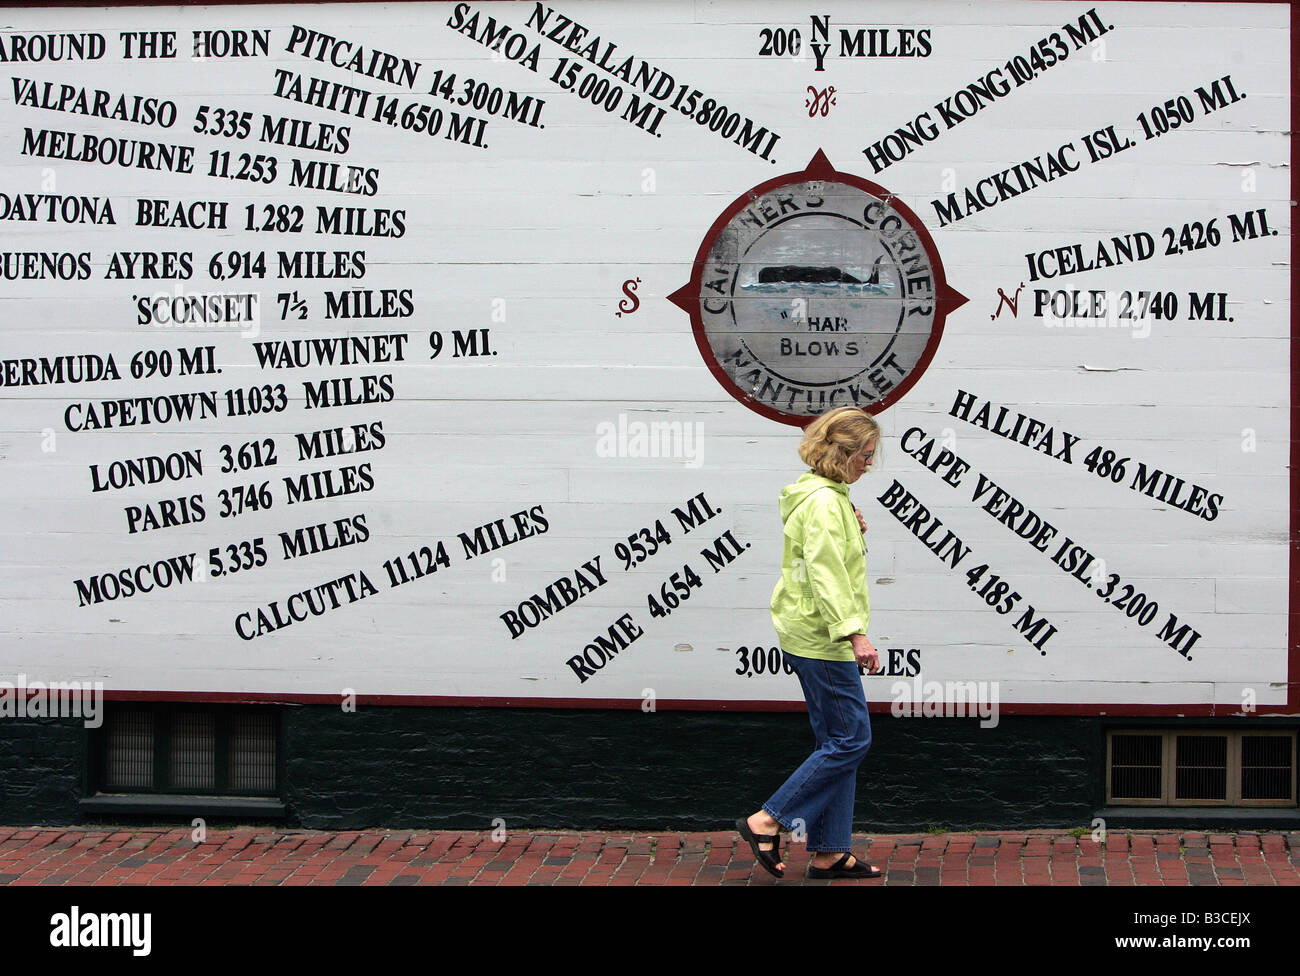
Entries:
{"x":825,"y":550}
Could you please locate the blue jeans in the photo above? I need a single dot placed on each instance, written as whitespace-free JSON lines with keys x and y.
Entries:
{"x":820,"y":793}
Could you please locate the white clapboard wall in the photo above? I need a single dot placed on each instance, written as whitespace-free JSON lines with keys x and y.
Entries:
{"x":534,"y":242}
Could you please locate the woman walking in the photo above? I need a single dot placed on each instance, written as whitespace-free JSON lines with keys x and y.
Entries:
{"x":820,"y":610}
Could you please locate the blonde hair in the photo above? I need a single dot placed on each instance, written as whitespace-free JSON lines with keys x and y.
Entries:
{"x":830,"y":441}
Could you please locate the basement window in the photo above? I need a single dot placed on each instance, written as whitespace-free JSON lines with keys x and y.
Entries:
{"x":192,"y":750}
{"x":1201,"y":768}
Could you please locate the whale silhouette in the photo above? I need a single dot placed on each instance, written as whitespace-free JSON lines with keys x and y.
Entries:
{"x":813,"y":275}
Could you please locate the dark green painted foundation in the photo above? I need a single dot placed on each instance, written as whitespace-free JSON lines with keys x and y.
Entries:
{"x":439,"y":768}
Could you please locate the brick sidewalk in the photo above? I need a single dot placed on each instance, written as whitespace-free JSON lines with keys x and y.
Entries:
{"x":261,"y":856}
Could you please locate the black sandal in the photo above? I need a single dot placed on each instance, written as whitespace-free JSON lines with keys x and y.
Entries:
{"x":860,"y":869}
{"x":769,"y":859}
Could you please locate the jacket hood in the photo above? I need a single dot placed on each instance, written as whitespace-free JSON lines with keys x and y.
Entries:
{"x":794,"y":495}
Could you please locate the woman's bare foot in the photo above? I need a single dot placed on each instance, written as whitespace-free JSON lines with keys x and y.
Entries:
{"x":764,"y":823}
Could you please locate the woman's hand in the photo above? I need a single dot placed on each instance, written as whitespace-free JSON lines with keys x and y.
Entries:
{"x":864,"y":653}
{"x":861,"y":521}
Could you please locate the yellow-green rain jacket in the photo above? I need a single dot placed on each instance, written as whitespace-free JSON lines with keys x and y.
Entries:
{"x":821,"y":597}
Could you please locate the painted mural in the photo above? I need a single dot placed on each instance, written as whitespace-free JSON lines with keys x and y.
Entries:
{"x":458,"y":352}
